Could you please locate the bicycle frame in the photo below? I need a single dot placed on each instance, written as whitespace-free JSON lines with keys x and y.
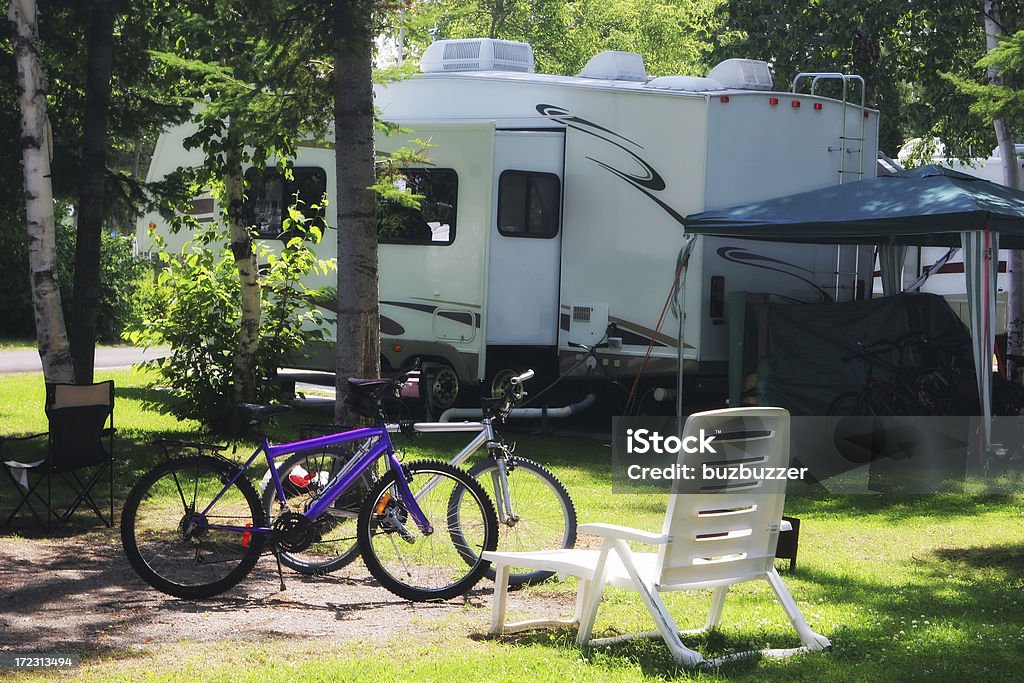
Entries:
{"x":380,"y":448}
{"x":485,"y":437}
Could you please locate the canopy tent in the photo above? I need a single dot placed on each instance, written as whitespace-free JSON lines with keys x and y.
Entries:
{"x":923,"y":206}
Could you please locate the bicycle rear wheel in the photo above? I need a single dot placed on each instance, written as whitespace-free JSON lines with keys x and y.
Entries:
{"x":418,"y":566}
{"x":542,"y":517}
{"x":177,"y":548}
{"x":304,"y":477}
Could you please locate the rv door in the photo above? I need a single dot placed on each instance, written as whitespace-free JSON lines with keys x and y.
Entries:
{"x":526,"y":237}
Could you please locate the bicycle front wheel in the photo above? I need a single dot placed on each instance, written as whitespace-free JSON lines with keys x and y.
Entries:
{"x":427,"y":566}
{"x":542,"y":515}
{"x":304,"y":477}
{"x":178,"y":546}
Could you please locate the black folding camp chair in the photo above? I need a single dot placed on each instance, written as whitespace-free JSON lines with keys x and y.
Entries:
{"x":79,"y":451}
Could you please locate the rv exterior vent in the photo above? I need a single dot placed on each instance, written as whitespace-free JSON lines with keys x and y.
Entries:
{"x":581,"y":314}
{"x":684,"y":83}
{"x":477,"y":54}
{"x":743,"y":74}
{"x":615,"y":66}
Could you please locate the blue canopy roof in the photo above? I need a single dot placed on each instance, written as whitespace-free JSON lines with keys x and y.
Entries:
{"x":930,"y":205}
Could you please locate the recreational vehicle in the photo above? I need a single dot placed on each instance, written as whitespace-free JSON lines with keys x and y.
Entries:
{"x":944,"y":270}
{"x":553,"y":210}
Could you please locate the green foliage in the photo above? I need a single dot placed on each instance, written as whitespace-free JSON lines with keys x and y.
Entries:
{"x":120,"y":271}
{"x":195,"y":309}
{"x":900,"y":47}
{"x":1004,"y":101}
{"x":674,"y":36}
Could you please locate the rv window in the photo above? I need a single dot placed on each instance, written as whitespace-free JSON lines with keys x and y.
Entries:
{"x":269,"y":194}
{"x":433,"y":222}
{"x":528,"y":204}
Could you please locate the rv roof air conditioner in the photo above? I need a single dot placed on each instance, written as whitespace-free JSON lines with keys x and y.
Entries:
{"x":743,"y":74}
{"x":477,"y":54}
{"x":615,"y":66}
{"x":684,"y":83}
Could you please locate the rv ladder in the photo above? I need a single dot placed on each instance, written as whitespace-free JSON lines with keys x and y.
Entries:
{"x":845,"y":140}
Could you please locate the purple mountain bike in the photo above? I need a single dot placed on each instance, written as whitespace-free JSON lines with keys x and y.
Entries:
{"x":194,"y":526}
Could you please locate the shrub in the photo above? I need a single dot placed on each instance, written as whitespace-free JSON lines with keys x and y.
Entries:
{"x":195,"y":309}
{"x":120,"y":271}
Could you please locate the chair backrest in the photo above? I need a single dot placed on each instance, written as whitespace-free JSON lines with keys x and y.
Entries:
{"x":78,"y":414}
{"x":722,"y":530}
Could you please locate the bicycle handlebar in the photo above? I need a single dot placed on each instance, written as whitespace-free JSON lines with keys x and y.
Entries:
{"x":519,"y":379}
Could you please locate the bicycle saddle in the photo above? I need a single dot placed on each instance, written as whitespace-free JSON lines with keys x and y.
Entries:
{"x":366,"y":387}
{"x":258,"y":413}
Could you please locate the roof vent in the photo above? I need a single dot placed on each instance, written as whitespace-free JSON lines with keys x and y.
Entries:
{"x":684,"y":83}
{"x":743,"y":74}
{"x":477,"y":54}
{"x":615,"y":66}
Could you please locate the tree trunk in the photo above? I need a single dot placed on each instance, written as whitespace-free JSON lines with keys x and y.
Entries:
{"x":50,"y":331}
{"x":358,"y":338}
{"x":1011,"y":178}
{"x":91,"y":190}
{"x":244,"y":364}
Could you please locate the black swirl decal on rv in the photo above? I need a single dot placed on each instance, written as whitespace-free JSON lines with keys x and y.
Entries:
{"x":648,"y":180}
{"x":748,"y":258}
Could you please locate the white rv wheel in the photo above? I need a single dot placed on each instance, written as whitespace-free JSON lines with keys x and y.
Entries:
{"x":444,"y":388}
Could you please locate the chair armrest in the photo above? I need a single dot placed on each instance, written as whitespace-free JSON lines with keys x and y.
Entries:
{"x":108,"y":431}
{"x":624,"y":533}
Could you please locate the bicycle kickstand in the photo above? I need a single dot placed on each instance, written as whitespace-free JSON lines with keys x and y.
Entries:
{"x":280,"y":572}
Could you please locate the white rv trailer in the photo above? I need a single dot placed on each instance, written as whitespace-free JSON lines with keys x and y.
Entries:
{"x":948,"y":279}
{"x":554,"y":207}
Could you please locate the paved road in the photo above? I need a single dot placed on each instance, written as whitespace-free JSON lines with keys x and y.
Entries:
{"x":27,"y":360}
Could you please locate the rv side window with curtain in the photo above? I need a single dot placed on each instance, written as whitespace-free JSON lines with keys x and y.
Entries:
{"x":270,"y":194}
{"x":433,"y":222}
{"x":528,"y":204}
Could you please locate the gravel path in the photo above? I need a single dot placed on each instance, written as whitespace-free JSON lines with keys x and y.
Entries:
{"x":63,"y":594}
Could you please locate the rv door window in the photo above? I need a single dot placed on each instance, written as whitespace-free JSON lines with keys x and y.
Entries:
{"x":433,"y":221}
{"x":269,"y":194}
{"x":529,"y":204}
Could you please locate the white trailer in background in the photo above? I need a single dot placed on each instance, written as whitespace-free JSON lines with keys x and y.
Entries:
{"x":554,"y":208}
{"x":947,"y":279}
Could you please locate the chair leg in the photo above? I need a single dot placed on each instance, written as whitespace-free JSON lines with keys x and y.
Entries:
{"x":589,"y":598}
{"x":683,"y":655}
{"x":810,"y":639}
{"x":49,"y":503}
{"x":500,"y":597}
{"x":82,"y":491}
{"x":717,"y":603}
{"x":26,"y":498}
{"x":582,"y":592}
{"x":110,"y":521}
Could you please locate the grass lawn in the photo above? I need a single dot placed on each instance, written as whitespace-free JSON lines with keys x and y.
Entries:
{"x":907,"y":588}
{"x":7,"y":344}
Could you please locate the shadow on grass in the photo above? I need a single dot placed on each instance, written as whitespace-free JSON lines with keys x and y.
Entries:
{"x":957,"y":617}
{"x":898,"y":508}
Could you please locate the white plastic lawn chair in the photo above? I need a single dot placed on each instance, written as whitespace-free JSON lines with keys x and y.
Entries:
{"x":709,"y":540}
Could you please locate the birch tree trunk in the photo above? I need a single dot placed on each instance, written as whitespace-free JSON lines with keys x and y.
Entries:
{"x":358,"y":338}
{"x":1011,"y":178}
{"x":91,"y":189}
{"x":244,"y":364}
{"x":50,"y":331}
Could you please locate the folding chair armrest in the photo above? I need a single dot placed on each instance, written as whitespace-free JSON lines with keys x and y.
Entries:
{"x":109,"y":431}
{"x":624,"y":533}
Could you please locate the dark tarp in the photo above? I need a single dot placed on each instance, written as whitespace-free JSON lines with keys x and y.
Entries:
{"x":804,"y":370}
{"x":927,"y":206}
